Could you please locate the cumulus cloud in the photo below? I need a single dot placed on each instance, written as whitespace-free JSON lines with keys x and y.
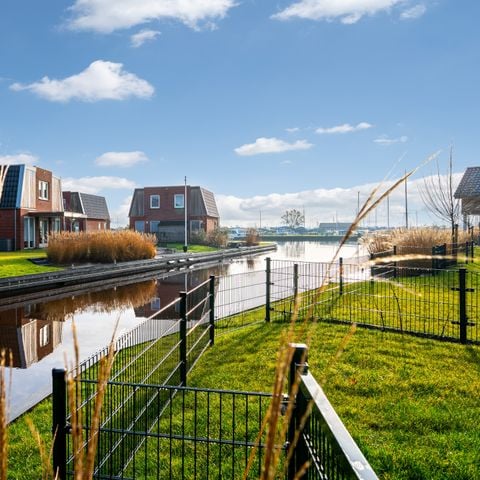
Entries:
{"x":271,"y":145}
{"x":121,"y":159}
{"x":292,"y":129}
{"x":322,"y":205}
{"x":101,"y":80}
{"x":414,"y":12}
{"x":347,"y":11}
{"x":345,"y":128}
{"x":96,"y":184}
{"x":386,"y":141}
{"x":138,"y":39}
{"x":19,"y":158}
{"x":119,"y":214}
{"x":106,"y":16}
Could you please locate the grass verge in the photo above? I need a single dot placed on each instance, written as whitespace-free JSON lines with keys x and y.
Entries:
{"x":402,"y":398}
{"x":191,"y":248}
{"x":13,"y":264}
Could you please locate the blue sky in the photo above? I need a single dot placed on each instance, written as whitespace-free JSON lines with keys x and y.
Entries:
{"x":270,"y":104}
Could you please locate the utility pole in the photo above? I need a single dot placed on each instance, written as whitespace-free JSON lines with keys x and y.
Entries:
{"x":388,"y":212}
{"x":185,"y":245}
{"x":406,"y":201}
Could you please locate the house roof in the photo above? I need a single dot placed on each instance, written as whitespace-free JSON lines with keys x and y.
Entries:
{"x":210,"y":203}
{"x":93,"y":206}
{"x":469,"y":185}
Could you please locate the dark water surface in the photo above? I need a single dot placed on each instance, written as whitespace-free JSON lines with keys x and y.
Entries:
{"x":40,"y":334}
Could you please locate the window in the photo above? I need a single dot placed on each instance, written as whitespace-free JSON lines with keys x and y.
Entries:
{"x":154,"y":224}
{"x":196,"y":225}
{"x":155,"y":304}
{"x":43,"y":190}
{"x":44,"y":336}
{"x":154,"y":201}
{"x":139,"y":226}
{"x":179,"y":200}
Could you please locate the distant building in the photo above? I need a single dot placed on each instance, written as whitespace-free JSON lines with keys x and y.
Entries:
{"x":468,"y":191}
{"x":161,"y":210}
{"x":85,"y":212}
{"x":333,"y":228}
{"x":31,"y":206}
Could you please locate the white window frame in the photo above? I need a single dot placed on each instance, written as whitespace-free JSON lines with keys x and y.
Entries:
{"x":156,"y":196}
{"x":42,"y":190}
{"x":155,"y":304}
{"x":44,"y":336}
{"x":176,"y":202}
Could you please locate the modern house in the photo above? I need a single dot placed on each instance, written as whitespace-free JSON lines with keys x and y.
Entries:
{"x":161,"y":210}
{"x":468,"y":191}
{"x":31,"y":206}
{"x":84,"y":212}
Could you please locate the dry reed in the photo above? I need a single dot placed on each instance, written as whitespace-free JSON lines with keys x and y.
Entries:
{"x":100,"y":247}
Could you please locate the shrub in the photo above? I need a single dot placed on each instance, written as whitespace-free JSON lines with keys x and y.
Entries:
{"x":252,"y":237}
{"x":100,"y":247}
{"x":218,"y":237}
{"x":411,"y":242}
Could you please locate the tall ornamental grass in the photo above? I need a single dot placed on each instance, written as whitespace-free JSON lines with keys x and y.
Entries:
{"x":100,"y":247}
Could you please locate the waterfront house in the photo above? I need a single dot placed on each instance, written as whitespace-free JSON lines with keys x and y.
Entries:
{"x":84,"y":212}
{"x":161,"y":210}
{"x":31,"y":206}
{"x":468,"y":192}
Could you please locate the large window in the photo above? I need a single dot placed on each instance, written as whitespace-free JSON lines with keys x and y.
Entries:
{"x":44,"y":336}
{"x":179,"y":200}
{"x":154,"y":201}
{"x":154,"y":224}
{"x":43,"y":190}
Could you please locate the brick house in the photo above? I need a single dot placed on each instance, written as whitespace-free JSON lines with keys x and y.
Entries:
{"x":161,"y":210}
{"x":85,"y":212}
{"x":31,"y":206}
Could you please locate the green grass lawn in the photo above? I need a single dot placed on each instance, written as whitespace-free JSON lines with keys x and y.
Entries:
{"x":411,"y":404}
{"x":191,"y":248}
{"x":13,"y":264}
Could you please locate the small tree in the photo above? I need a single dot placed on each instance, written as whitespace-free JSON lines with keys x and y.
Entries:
{"x":293,"y":218}
{"x":437,"y":194}
{"x":252,"y":237}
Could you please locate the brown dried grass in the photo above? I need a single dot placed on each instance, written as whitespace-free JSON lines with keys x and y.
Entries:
{"x":100,"y":247}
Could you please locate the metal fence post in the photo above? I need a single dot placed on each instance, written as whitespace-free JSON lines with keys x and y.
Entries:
{"x":394,"y":263}
{"x":298,"y":366}
{"x":295,"y":281}
{"x":268,"y":272}
{"x":183,"y":338}
{"x":59,"y":423}
{"x":462,"y":290}
{"x":340,"y":275}
{"x":212,"y":309}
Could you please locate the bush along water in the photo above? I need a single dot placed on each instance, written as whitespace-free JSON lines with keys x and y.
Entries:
{"x":100,"y":247}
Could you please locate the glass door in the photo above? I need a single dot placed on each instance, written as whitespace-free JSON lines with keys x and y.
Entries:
{"x":43,"y":231}
{"x":28,"y":232}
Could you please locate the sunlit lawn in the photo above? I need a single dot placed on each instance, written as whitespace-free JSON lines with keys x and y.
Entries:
{"x":13,"y":264}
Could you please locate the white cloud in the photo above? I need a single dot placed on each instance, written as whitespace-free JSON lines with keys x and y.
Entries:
{"x":120,"y":159}
{"x":322,"y":205}
{"x":96,"y":184}
{"x":106,"y":16}
{"x":101,"y":80}
{"x":138,"y":39}
{"x":415,"y":12}
{"x":386,"y":141}
{"x":347,"y":11}
{"x":25,"y":158}
{"x":271,"y":145}
{"x":345,"y":128}
{"x":292,"y":130}
{"x":119,"y":215}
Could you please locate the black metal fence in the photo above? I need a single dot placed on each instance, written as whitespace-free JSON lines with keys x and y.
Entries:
{"x":159,"y":351}
{"x":424,"y":301}
{"x":167,"y":432}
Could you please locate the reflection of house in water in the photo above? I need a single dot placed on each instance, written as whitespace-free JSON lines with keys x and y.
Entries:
{"x":33,"y":331}
{"x":168,"y":290}
{"x":29,"y":339}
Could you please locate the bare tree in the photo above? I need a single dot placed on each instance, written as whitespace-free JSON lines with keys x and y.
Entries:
{"x":437,"y":193}
{"x":293,"y":218}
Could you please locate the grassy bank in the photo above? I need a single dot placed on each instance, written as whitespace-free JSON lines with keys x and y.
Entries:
{"x":401,"y":397}
{"x":17,"y":263}
{"x":191,"y":248}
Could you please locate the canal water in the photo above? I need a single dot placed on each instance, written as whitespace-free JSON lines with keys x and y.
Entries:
{"x":39,"y":335}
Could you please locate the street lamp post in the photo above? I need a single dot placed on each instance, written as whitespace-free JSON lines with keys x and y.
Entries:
{"x":185,"y":244}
